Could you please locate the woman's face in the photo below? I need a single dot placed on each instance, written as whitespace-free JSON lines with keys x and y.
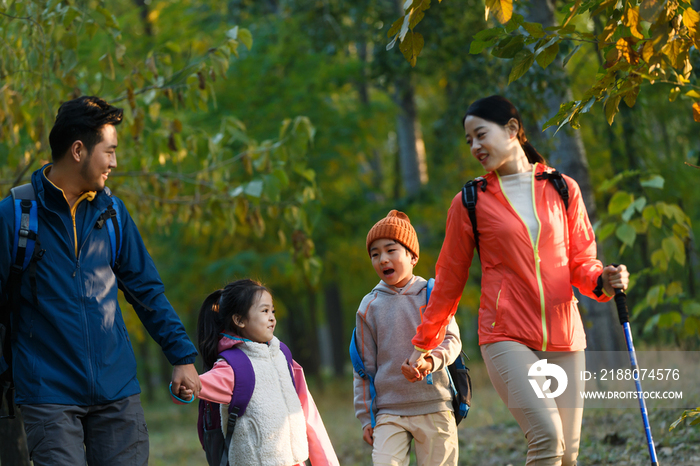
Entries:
{"x":494,"y":146}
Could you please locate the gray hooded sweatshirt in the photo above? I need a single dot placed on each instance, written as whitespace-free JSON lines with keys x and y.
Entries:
{"x":386,"y":322}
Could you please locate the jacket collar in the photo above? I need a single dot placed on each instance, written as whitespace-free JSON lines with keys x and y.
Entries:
{"x":46,"y":191}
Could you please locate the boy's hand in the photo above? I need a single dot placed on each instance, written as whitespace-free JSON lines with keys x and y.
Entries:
{"x":368,"y":434}
{"x":411,"y":373}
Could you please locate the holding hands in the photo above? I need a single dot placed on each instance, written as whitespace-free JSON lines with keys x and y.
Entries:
{"x":418,"y":366}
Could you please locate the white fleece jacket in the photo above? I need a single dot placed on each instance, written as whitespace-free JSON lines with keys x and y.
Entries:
{"x":386,"y":322}
{"x":272,"y":432}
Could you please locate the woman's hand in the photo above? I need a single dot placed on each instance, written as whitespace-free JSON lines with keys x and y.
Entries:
{"x":615,"y":277}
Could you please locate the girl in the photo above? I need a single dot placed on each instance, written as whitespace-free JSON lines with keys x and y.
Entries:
{"x":281,"y":426}
{"x":533,"y":249}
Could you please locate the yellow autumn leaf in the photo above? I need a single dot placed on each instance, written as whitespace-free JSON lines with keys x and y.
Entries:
{"x":502,"y":9}
{"x":690,"y":20}
{"x":696,"y":112}
{"x":631,"y":20}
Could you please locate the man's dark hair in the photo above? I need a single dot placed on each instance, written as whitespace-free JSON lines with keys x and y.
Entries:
{"x":82,"y":120}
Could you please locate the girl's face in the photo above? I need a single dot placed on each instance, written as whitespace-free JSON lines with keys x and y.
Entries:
{"x":259,"y":324}
{"x":495,"y":146}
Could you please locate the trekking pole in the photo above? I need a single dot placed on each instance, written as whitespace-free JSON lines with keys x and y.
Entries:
{"x":623,"y":314}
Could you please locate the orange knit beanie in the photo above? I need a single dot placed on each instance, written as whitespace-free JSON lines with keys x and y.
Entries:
{"x":397,"y":226}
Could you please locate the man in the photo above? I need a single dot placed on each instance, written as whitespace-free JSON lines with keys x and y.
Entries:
{"x":74,"y":368}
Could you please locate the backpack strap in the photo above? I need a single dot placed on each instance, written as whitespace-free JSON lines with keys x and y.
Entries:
{"x":559,"y":183}
{"x":112,"y":219}
{"x":469,"y":197}
{"x":359,"y":367}
{"x":242,"y":392}
{"x":288,"y":355}
{"x":429,"y":290}
{"x":26,"y":226}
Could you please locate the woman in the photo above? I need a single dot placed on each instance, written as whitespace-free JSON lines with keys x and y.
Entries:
{"x":533,"y":249}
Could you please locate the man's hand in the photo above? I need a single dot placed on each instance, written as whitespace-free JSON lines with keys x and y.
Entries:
{"x":185,"y":376}
{"x":368,"y":434}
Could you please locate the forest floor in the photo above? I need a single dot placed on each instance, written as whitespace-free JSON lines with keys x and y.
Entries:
{"x":488,"y":437}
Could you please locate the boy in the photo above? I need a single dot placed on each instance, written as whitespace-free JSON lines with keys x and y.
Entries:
{"x":386,"y":322}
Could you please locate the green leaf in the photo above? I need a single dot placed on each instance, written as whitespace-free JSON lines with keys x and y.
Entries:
{"x":70,"y":40}
{"x":488,"y":34}
{"x":655,"y":181}
{"x":660,"y":259}
{"x":670,"y":319}
{"x":611,"y":108}
{"x":246,"y":38}
{"x":110,"y":20}
{"x":69,"y":16}
{"x":508,"y":47}
{"x":673,"y":247}
{"x":534,"y":29}
{"x":626,"y":234}
{"x":91,"y":28}
{"x":515,"y":21}
{"x":411,"y":47}
{"x":674,"y":289}
{"x":655,"y":295}
{"x":521,"y":63}
{"x":547,"y":56}
{"x":619,"y":202}
{"x":691,"y":308}
{"x":395,"y":28}
{"x":605,"y":231}
{"x":254,"y":188}
{"x":571,"y":54}
{"x":651,"y":323}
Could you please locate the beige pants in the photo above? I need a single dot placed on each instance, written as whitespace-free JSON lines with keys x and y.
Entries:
{"x":552,"y":426}
{"x":435,"y":435}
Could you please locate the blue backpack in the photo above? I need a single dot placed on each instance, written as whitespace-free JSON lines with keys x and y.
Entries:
{"x":211,"y":436}
{"x":26,"y":252}
{"x":457,"y":372}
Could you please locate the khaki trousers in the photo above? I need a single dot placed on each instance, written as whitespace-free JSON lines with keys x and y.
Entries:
{"x":552,"y":426}
{"x":435,"y":438}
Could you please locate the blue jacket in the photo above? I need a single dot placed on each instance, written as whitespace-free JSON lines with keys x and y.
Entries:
{"x":74,"y":348}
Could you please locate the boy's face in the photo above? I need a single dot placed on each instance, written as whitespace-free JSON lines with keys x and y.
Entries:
{"x":392,"y":261}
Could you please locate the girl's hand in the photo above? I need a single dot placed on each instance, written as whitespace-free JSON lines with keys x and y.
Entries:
{"x":185,"y":393}
{"x":615,"y":277}
{"x":368,"y":434}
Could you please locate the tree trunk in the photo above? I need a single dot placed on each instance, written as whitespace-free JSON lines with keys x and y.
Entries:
{"x":13,"y":441}
{"x":334,"y":316}
{"x":414,"y":171}
{"x":569,"y":156}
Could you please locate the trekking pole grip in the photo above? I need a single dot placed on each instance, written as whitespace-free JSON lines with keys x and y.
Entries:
{"x":621,"y":302}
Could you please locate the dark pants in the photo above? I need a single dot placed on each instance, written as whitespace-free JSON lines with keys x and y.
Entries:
{"x":110,"y":434}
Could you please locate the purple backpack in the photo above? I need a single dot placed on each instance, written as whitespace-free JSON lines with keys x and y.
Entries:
{"x":209,"y":420}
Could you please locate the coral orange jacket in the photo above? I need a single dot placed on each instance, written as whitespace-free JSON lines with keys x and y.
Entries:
{"x":526,"y":287}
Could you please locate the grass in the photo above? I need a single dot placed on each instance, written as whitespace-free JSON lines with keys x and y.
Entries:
{"x":488,"y":437}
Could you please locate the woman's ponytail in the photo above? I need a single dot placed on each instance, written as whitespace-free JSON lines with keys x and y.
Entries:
{"x":209,"y":325}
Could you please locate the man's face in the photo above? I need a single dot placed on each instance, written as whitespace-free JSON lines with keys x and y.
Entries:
{"x":95,"y":168}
